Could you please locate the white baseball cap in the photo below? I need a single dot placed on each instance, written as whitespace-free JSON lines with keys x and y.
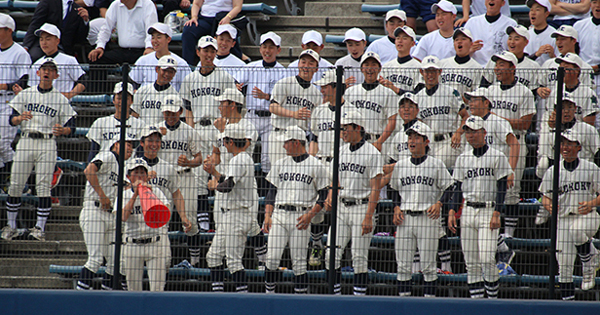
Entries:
{"x":464,"y":31}
{"x":234,"y":131}
{"x":352,"y":117}
{"x":206,"y":41}
{"x":294,"y":133}
{"x":572,"y":135}
{"x":569,"y":97}
{"x":430,"y":62}
{"x":48,"y":28}
{"x":406,"y":30}
{"x":48,"y":60}
{"x":571,"y":58}
{"x":227,"y":28}
{"x":421,"y":129}
{"x":231,"y":94}
{"x":171,"y":103}
{"x":544,"y":3}
{"x":506,"y":56}
{"x":329,"y":77}
{"x":479,"y":92}
{"x":7,"y":21}
{"x":119,"y":88}
{"x":445,"y":6}
{"x":166,"y":62}
{"x":161,"y":28}
{"x":150,"y":130}
{"x":566,"y":31}
{"x":408,"y":96}
{"x":474,"y":123}
{"x":370,"y":54}
{"x":128,"y":138}
{"x":310,"y":53}
{"x":355,"y":34}
{"x":276,"y":39}
{"x":312,"y":36}
{"x":135,"y":163}
{"x":395,"y":13}
{"x":519,"y":29}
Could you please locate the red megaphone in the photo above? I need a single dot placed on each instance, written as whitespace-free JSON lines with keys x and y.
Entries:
{"x":156,"y":214}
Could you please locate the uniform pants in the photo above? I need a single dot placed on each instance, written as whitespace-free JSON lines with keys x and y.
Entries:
{"x":479,"y":244}
{"x":444,"y":151}
{"x":187,"y":181}
{"x":264,"y":128}
{"x":230,"y":239}
{"x":96,"y":225}
{"x":512,"y":194}
{"x":417,"y":232}
{"x":155,"y":255}
{"x":40,"y":153}
{"x":573,"y":230}
{"x":276,"y":150}
{"x":284,"y":231}
{"x":7,"y":136}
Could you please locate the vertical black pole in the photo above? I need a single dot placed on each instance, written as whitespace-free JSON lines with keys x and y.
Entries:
{"x":123,"y":133}
{"x":339,"y":91}
{"x":557,"y":137}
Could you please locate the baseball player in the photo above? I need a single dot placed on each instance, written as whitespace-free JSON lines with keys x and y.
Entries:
{"x":147,"y":99}
{"x":385,"y":46}
{"x":438,"y":42}
{"x":313,"y":40}
{"x":541,"y":46}
{"x":461,"y":72}
{"x":144,"y":73}
{"x":374,"y":102}
{"x":360,"y":172}
{"x":419,"y":187}
{"x":473,"y":8}
{"x":226,"y":35}
{"x":401,"y":74}
{"x":238,"y":198}
{"x":578,"y":219}
{"x":481,"y":176}
{"x":293,"y":100}
{"x":589,"y":30}
{"x":43,"y":114}
{"x":104,"y":130}
{"x":143,"y":244}
{"x":408,"y":111}
{"x":356,"y":42}
{"x":96,"y":219}
{"x":299,"y":191}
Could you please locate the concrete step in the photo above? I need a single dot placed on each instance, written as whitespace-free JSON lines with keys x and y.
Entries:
{"x":323,"y":24}
{"x":63,"y":232}
{"x":20,"y":248}
{"x":34,"y":266}
{"x":35,"y":282}
{"x":329,"y":53}
{"x":330,"y":8}
{"x":65,"y":212}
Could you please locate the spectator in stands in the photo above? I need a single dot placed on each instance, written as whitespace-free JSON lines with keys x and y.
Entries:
{"x":385,"y":46}
{"x":144,"y":72}
{"x":226,"y":40}
{"x":422,"y":8}
{"x":313,"y":40}
{"x":589,"y":29}
{"x":171,"y":5}
{"x":541,"y":46}
{"x":71,"y":19}
{"x":401,"y":74}
{"x":206,"y":15}
{"x":132,"y":19}
{"x":439,"y":42}
{"x":567,"y":12}
{"x":356,"y":42}
{"x":461,"y":71}
{"x":472,"y":8}
{"x":489,"y":31}
{"x":72,"y":79}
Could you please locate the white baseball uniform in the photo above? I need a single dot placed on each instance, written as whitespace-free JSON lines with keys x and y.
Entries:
{"x":463,"y":74}
{"x":351,"y":68}
{"x":69,"y":72}
{"x":539,"y":39}
{"x":324,"y":65}
{"x":144,"y":70}
{"x":493,"y":35}
{"x":404,"y":73}
{"x":549,"y":75}
{"x":527,"y":73}
{"x":376,"y":103}
{"x":589,"y":34}
{"x":322,"y":123}
{"x":200,"y":90}
{"x":147,"y":101}
{"x":434,"y":44}
{"x":105,"y":129}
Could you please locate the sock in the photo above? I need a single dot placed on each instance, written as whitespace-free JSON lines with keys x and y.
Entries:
{"x":85,"y":279}
{"x":194,"y":247}
{"x":301,"y":284}
{"x":337,"y":284}
{"x":260,"y":246}
{"x":429,"y":288}
{"x":404,"y":288}
{"x":203,"y":217}
{"x":241,"y":282}
{"x":567,"y":291}
{"x":361,"y":281}
{"x":491,"y":288}
{"x":316,"y":234}
{"x":270,"y":280}
{"x":502,"y":247}
{"x":12,"y":204}
{"x":217,"y":277}
{"x":107,"y":281}
{"x":43,"y":212}
{"x":476,"y":290}
{"x":124,"y":286}
{"x":584,"y":251}
{"x":445,"y":253}
{"x":511,"y":219}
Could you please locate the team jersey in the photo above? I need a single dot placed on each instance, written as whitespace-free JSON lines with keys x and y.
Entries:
{"x":135,"y":226}
{"x":69,"y":72}
{"x":324,"y":65}
{"x":48,"y":108}
{"x":166,"y":178}
{"x":257,"y":74}
{"x":292,"y":96}
{"x":549,"y":74}
{"x":420,"y":185}
{"x":493,"y":35}
{"x":512,"y":103}
{"x":208,"y":135}
{"x":200,"y":91}
{"x":440,"y":109}
{"x":527,"y":73}
{"x":16,"y":63}
{"x":298,"y":183}
{"x":434,"y":44}
{"x":105,"y":129}
{"x":179,"y":140}
{"x":537,"y":40}
{"x":241,"y":170}
{"x":585,"y":98}
{"x":497,"y":129}
{"x":478,"y":8}
{"x":250,"y":134}
{"x":590,"y":141}
{"x":375,"y":105}
{"x":574,"y":186}
{"x":397,"y":148}
{"x":479,"y":175}
{"x":461,"y":76}
{"x":385,"y":47}
{"x":403,"y":75}
{"x":322,"y":125}
{"x":589,"y":41}
{"x":144,"y":70}
{"x":229,"y":63}
{"x":357,"y":168}
{"x":351,"y":68}
{"x":108,"y":176}
{"x":147,"y":102}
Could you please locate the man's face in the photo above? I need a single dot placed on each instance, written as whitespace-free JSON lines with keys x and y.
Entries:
{"x":493,"y":7}
{"x":479,"y":106}
{"x":516,"y":43}
{"x":408,"y":111}
{"x":392,"y":24}
{"x":269,"y":51}
{"x":160,"y":41}
{"x":476,"y":138}
{"x":595,"y":8}
{"x":47,"y":74}
{"x":572,"y":71}
{"x":314,"y":46}
{"x":505,"y":71}
{"x":356,"y":48}
{"x":403,"y":44}
{"x":462,"y":45}
{"x":307,"y":67}
{"x":151,"y":144}
{"x":328,"y":90}
{"x":49,"y":43}
{"x":5,"y":34}
{"x":138,"y":173}
{"x":538,"y":14}
{"x":569,"y":149}
{"x":171,"y":118}
{"x":565,"y":44}
{"x":225,"y":43}
{"x":431,"y":75}
{"x":417,"y":143}
{"x":117,"y":100}
{"x":568,"y":112}
{"x":207,"y":56}
{"x":370,"y":69}
{"x":165,"y":76}
{"x":444,"y":20}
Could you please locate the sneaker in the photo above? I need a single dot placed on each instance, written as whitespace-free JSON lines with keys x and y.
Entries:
{"x":542,"y":216}
{"x":315,"y":256}
{"x":506,"y":256}
{"x":56,"y":177}
{"x":184,"y":264}
{"x":37,"y":233}
{"x":444,"y":272}
{"x":9,"y":233}
{"x":589,"y":272}
{"x":55,"y":201}
{"x":261,"y":265}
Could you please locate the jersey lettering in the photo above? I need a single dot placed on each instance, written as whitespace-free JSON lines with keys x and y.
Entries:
{"x":205,"y":91}
{"x":401,"y":79}
{"x":136,"y":210}
{"x":325,"y":126}
{"x":42,"y":109}
{"x":151,"y":104}
{"x":458,"y":78}
{"x":299,"y":101}
{"x":160,"y":181}
{"x":523,"y":81}
{"x":367,"y":105}
{"x":438,"y":110}
{"x":505,"y":105}
{"x":174,"y":145}
{"x":417,"y":180}
{"x":295,"y":177}
{"x":576,"y":186}
{"x":479,"y":172}
{"x":111,"y":134}
{"x":351,"y":167}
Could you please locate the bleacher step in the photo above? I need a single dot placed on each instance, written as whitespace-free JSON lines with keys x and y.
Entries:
{"x":49,"y":247}
{"x":336,"y":8}
{"x":319,"y":23}
{"x":34,"y":266}
{"x":35,"y":282}
{"x":63,"y":232}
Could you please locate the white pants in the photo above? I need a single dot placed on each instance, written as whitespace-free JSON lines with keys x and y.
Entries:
{"x":187,"y":182}
{"x":276,"y":150}
{"x":417,"y":232}
{"x":98,"y":227}
{"x":573,"y":230}
{"x":7,"y":136}
{"x":479,"y":244}
{"x":512,"y":194}
{"x":230,"y":239}
{"x":264,"y":128}
{"x":444,"y":151}
{"x":284,"y":231}
{"x":155,"y":255}
{"x":40,"y":153}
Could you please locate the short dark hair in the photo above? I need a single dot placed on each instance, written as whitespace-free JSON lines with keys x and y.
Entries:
{"x":240,"y":143}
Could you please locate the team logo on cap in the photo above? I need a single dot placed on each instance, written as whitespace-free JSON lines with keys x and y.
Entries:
{"x":153,"y":128}
{"x":430,"y":60}
{"x":562,"y":28}
{"x":472,"y":120}
{"x":209,"y":39}
{"x":169,"y":60}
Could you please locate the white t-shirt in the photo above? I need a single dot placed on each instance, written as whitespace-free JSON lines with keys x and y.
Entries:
{"x":385,"y":48}
{"x":589,"y":41}
{"x":493,"y":35}
{"x":210,"y":8}
{"x":351,"y":68}
{"x":16,"y":63}
{"x":144,"y":70}
{"x":538,"y":40}
{"x":434,"y":44}
{"x":229,"y":63}
{"x":69,"y":71}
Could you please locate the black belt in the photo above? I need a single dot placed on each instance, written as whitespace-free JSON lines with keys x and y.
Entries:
{"x":278,"y":129}
{"x":325,"y":158}
{"x":142,"y":241}
{"x":292,"y":208}
{"x":37,"y":135}
{"x":187,"y":170}
{"x":261,"y":113}
{"x":479,"y":204}
{"x":371,"y":136}
{"x":97,"y":204}
{"x":442,"y":137}
{"x":354,"y":202}
{"x":413,"y":213}
{"x":205,"y":122}
{"x":518,"y":137}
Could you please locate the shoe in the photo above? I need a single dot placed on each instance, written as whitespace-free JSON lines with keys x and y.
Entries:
{"x":9,"y":233}
{"x":444,"y":272}
{"x":56,"y":177}
{"x":542,"y":216}
{"x":37,"y":233}
{"x":315,"y":256}
{"x":506,"y":256}
{"x":589,"y":272}
{"x":184,"y":264}
{"x":261,"y":265}
{"x":55,"y":201}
